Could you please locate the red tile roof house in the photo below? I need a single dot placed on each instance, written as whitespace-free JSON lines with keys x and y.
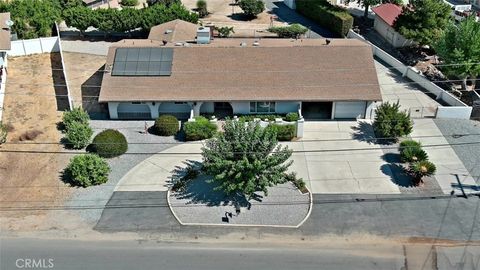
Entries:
{"x":385,"y":16}
{"x":321,"y":80}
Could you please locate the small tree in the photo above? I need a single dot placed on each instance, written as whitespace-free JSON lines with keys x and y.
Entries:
{"x":245,"y":158}
{"x":251,"y":8}
{"x":87,"y":170}
{"x":292,"y":31}
{"x":423,"y":20}
{"x":202,"y":8}
{"x":78,"y":135}
{"x":390,"y":122}
{"x":459,"y":49}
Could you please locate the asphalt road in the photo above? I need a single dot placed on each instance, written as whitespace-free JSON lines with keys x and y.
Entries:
{"x":145,"y":255}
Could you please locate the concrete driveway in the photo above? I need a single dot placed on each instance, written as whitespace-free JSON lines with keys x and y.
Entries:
{"x":342,"y":170}
{"x":338,"y":171}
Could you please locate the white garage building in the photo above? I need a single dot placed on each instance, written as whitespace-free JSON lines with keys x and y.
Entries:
{"x":147,"y":78}
{"x":385,"y":16}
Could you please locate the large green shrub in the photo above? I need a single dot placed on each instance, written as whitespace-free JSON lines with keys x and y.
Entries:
{"x":251,"y":117}
{"x":128,"y":19}
{"x":390,"y":122}
{"x":251,"y":8}
{"x":201,"y":129}
{"x":202,"y":8}
{"x":129,"y":3}
{"x":166,"y":125}
{"x":3,"y":133}
{"x":110,"y":143}
{"x":78,"y":135}
{"x":32,"y":18}
{"x":292,"y":31}
{"x":284,"y":132}
{"x":75,"y":115}
{"x":87,"y":170}
{"x":292,"y":117}
{"x":335,"y":18}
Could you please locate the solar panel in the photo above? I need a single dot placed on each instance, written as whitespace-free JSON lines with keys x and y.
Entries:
{"x":143,"y":62}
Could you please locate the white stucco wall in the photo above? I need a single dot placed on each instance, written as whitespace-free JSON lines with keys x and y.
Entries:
{"x":281,"y":107}
{"x":129,"y":107}
{"x":390,"y":35}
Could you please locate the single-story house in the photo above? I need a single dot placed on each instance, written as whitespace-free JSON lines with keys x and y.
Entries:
{"x":385,"y":16}
{"x":320,"y":79}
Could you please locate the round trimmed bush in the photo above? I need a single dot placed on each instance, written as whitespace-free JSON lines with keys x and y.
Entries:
{"x":201,"y":129}
{"x":292,"y":117}
{"x":87,"y":170}
{"x":166,"y":125}
{"x":109,"y":143}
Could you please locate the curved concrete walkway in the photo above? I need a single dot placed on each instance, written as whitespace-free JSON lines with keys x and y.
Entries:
{"x":154,"y":173}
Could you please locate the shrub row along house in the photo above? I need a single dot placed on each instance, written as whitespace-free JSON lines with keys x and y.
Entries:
{"x":179,"y":70}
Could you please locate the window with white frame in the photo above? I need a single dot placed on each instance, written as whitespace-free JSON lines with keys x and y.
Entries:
{"x":262,"y":107}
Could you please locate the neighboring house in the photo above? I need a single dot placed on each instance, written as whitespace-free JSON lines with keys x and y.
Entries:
{"x":174,"y":31}
{"x":5,"y":46}
{"x":461,"y":9}
{"x":147,"y":78}
{"x":385,"y":16}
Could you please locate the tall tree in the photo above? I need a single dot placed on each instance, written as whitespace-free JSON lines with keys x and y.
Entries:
{"x":368,"y":3}
{"x":423,"y":20}
{"x":246,"y":158}
{"x":459,"y":50}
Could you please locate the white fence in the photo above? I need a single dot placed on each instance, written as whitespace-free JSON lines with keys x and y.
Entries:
{"x":461,"y":109}
{"x":33,"y":46}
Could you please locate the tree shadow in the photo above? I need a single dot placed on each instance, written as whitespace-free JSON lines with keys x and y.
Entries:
{"x":241,"y":17}
{"x":364,"y":133}
{"x":201,"y":191}
{"x":59,"y":82}
{"x":398,"y":175}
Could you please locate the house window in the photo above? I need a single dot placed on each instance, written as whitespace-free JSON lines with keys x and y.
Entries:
{"x":262,"y":107}
{"x":137,"y":102}
{"x":180,"y":103}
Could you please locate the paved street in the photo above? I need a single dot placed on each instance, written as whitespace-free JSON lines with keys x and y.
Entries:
{"x":367,"y":254}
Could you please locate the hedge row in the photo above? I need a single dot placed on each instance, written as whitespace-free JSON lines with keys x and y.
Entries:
{"x":284,"y":132}
{"x":126,"y":19}
{"x":335,"y":18}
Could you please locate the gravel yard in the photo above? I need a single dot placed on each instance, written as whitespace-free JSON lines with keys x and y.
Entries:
{"x":284,"y":206}
{"x":469,"y":154}
{"x":97,"y":196}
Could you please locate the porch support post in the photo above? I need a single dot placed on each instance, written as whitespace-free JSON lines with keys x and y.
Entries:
{"x":196,"y":108}
{"x":300,"y":110}
{"x":113,"y":110}
{"x":153,"y":109}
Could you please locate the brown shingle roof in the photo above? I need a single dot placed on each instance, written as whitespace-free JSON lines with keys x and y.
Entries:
{"x":278,"y":69}
{"x":174,"y":31}
{"x":5,"y":43}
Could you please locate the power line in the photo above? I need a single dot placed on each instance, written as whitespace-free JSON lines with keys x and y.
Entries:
{"x":243,"y":152}
{"x":299,"y":141}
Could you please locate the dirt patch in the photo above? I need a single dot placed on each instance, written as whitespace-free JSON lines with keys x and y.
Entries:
{"x":85,"y":73}
{"x":31,"y":109}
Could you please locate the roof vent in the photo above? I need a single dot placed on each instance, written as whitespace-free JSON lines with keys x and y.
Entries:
{"x":243,"y":44}
{"x":164,"y":42}
{"x":327,"y":41}
{"x":168,"y":31}
{"x":203,"y":35}
{"x":256,"y":43}
{"x":179,"y":44}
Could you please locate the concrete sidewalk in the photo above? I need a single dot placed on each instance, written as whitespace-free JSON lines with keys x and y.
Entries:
{"x":451,"y":173}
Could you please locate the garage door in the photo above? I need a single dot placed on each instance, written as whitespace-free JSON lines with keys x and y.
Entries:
{"x":350,"y":110}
